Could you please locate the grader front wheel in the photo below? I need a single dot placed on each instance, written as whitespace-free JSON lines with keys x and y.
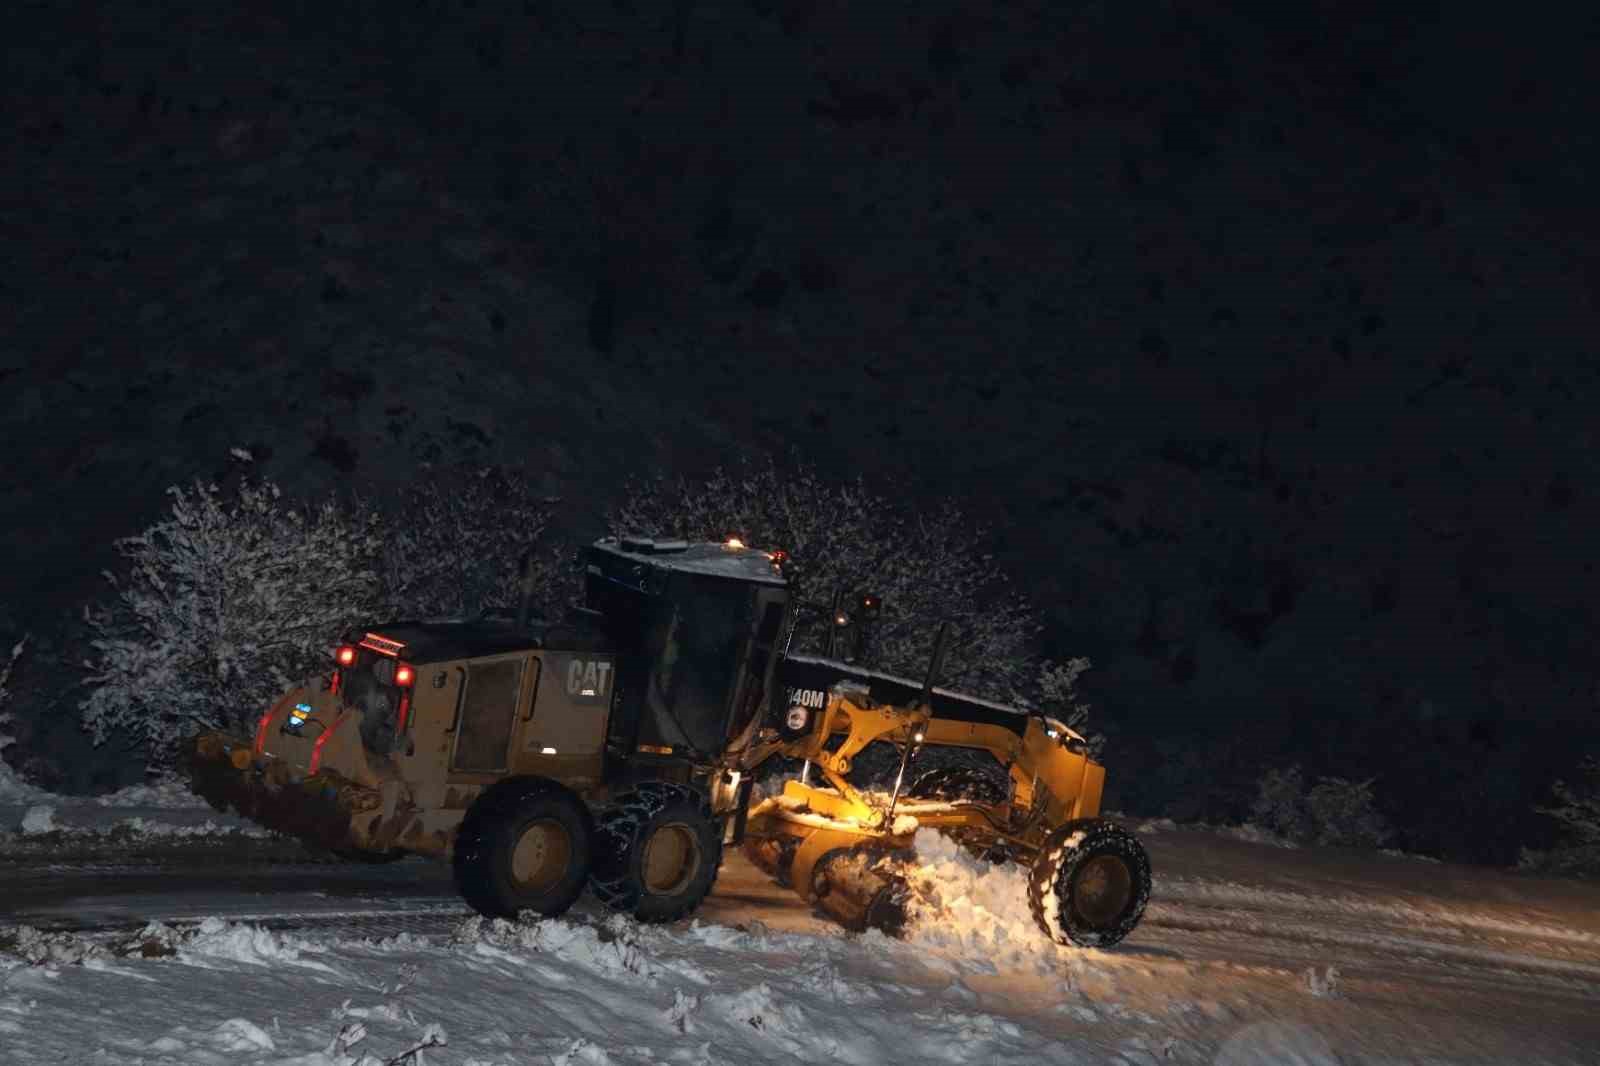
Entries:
{"x":1090,"y":884}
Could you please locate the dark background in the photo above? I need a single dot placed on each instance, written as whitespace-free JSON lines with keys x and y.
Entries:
{"x":1263,"y":333}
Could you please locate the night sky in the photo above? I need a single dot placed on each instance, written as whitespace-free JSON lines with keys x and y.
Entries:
{"x":1262,"y":333}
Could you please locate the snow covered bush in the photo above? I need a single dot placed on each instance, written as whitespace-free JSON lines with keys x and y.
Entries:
{"x":224,"y":603}
{"x":1280,"y":804}
{"x":1577,"y":809}
{"x":1345,"y":813}
{"x":1334,"y":811}
{"x":455,"y":540}
{"x":1057,"y":693}
{"x":927,"y":565}
{"x":6,"y":739}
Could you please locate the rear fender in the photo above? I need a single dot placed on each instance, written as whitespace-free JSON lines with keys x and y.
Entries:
{"x":328,"y":738}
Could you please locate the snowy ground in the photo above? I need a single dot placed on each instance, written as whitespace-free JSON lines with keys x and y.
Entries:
{"x":1250,"y":953}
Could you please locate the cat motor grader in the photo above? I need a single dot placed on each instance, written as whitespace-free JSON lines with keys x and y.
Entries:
{"x":617,"y":751}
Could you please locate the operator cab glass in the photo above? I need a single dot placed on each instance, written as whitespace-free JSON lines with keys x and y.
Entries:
{"x":368,"y":687}
{"x":703,"y":622}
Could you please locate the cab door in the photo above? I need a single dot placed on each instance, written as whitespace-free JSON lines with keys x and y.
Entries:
{"x":563,"y":731}
{"x":491,"y":702}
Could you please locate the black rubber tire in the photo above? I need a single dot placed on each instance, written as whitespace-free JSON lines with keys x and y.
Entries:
{"x":983,"y":784}
{"x":487,"y":842}
{"x":1063,"y":899}
{"x":624,"y":832}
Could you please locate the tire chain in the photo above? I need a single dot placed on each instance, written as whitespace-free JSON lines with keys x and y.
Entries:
{"x":1047,"y":871}
{"x":1042,"y":879}
{"x":957,"y":783}
{"x":617,"y":827}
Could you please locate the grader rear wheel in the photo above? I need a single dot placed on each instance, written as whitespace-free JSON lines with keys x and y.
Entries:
{"x":657,"y":851}
{"x":523,"y":846}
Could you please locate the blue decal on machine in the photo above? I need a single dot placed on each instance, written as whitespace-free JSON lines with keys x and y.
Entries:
{"x":297,"y":717}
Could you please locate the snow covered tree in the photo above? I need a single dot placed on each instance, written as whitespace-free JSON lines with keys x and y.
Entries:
{"x":1058,"y":694}
{"x":1280,"y":804}
{"x":1346,"y":814}
{"x":225,"y":602}
{"x":1577,"y":809}
{"x":1334,"y":811}
{"x":454,"y":543}
{"x":927,"y":566}
{"x":6,"y":739}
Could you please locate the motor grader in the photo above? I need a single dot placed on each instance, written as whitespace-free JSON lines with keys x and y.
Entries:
{"x":617,"y":751}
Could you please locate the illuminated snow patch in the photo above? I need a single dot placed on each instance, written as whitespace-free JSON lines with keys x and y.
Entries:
{"x":975,"y":910}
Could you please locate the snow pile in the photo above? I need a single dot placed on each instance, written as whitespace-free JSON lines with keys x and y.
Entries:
{"x":40,"y":818}
{"x":14,"y":790}
{"x":144,"y":827}
{"x":976,"y":911}
{"x":28,"y":945}
{"x":1323,"y":985}
{"x":218,"y":942}
{"x":167,"y":792}
{"x":1248,"y":832}
{"x":1251,"y":833}
{"x":610,"y":950}
{"x":162,"y":808}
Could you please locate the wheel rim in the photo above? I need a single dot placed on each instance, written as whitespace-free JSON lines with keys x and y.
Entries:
{"x":1101,"y":890}
{"x":541,"y":857}
{"x":671,"y":857}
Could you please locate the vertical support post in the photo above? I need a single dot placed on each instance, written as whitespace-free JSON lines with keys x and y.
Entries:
{"x":525,"y":588}
{"x":926,"y":709}
{"x":833,"y":625}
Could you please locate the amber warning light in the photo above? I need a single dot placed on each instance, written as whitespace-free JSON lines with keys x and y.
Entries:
{"x":345,"y":656}
{"x":403,"y":675}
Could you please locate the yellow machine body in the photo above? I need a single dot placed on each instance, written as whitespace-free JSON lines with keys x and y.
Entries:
{"x":790,"y":834}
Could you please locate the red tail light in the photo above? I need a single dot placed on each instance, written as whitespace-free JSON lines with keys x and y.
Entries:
{"x":404,"y":675}
{"x":404,"y":713}
{"x":261,"y":731}
{"x":261,"y":727}
{"x":345,"y":656}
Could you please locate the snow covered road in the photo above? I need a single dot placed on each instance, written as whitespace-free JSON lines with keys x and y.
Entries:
{"x":1248,"y":954}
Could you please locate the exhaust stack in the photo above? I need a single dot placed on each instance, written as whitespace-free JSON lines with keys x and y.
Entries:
{"x":525,"y":589}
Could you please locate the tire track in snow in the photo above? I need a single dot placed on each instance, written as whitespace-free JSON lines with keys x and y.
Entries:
{"x":1285,"y":930}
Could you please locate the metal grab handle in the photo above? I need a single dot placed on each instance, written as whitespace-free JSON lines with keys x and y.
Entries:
{"x":533,"y":687}
{"x":461,"y":696}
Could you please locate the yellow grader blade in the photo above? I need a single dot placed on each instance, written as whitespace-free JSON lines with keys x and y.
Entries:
{"x":835,"y":853}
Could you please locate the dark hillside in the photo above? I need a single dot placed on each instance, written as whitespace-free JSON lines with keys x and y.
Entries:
{"x":1266,"y":340}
